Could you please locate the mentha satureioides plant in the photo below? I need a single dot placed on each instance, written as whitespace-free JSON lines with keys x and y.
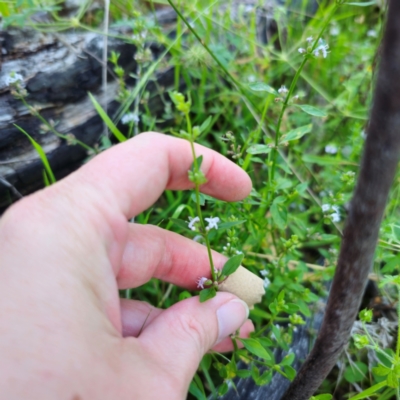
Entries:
{"x":208,"y":286}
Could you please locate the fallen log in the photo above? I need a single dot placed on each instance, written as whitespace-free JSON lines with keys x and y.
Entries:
{"x":57,"y":71}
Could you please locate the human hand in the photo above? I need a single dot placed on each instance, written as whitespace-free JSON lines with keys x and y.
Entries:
{"x":64,"y":253}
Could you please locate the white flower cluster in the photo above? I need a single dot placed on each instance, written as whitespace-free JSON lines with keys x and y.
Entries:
{"x":322,"y":48}
{"x":267,"y":282}
{"x":200,"y":282}
{"x":212,"y":223}
{"x":335,"y":214}
{"x":331,"y":149}
{"x":192,"y":222}
{"x":283,"y":90}
{"x":130,"y":117}
{"x":12,"y":78}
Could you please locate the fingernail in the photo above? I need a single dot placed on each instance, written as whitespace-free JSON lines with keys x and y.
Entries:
{"x":231,"y":317}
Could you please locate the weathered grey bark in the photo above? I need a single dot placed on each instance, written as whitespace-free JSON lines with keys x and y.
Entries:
{"x":58,"y":71}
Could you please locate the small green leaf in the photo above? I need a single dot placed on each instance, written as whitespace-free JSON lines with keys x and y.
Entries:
{"x":392,"y":380}
{"x":184,"y":295}
{"x":232,"y":264}
{"x":196,"y":388}
{"x":316,"y":112}
{"x":199,"y":161}
{"x":202,"y":199}
{"x":228,"y":225}
{"x":206,"y":124}
{"x":223,"y":389}
{"x":207,"y":294}
{"x":295,"y":133}
{"x":288,"y":359}
{"x":381,"y":370}
{"x":265,"y":378}
{"x":356,"y":372}
{"x":262,"y":87}
{"x":111,"y":126}
{"x":279,"y":213}
{"x":276,"y":331}
{"x":243,"y":373}
{"x":290,"y":372}
{"x":259,"y":149}
{"x":180,"y":222}
{"x":291,"y":308}
{"x":256,"y":348}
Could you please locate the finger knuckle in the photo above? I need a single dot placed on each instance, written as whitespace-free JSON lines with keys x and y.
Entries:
{"x":193,"y":330}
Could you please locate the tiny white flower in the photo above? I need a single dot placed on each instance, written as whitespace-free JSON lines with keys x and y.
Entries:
{"x":264,"y":272}
{"x":301,"y":50}
{"x":372,"y":33}
{"x":322,"y":47}
{"x":309,"y":39}
{"x":335,"y":208}
{"x":363,"y":134}
{"x":251,"y":78}
{"x":282,"y":90}
{"x":130,"y":117}
{"x":192,"y":221}
{"x":200,"y":282}
{"x":326,"y":207}
{"x":239,"y":252}
{"x":212,"y":223}
{"x":334,"y":31}
{"x":197,"y":238}
{"x":267,"y":282}
{"x":331,"y":149}
{"x":13,"y":77}
{"x":335,"y":217}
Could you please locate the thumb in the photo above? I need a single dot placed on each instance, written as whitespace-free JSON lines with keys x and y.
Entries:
{"x":180,"y":336}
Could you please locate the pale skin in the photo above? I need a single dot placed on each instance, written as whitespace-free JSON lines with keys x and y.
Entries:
{"x":66,"y":250}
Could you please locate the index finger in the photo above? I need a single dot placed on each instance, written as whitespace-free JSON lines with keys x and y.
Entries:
{"x":134,"y":174}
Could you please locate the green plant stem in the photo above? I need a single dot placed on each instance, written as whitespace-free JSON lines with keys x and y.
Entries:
{"x":274,"y":153}
{"x":197,"y":192}
{"x":51,"y":128}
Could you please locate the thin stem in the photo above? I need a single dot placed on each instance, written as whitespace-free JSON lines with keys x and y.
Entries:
{"x":214,"y":57}
{"x":52,"y":129}
{"x":197,"y":192}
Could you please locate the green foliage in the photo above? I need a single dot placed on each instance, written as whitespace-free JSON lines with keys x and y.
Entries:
{"x":232,"y":264}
